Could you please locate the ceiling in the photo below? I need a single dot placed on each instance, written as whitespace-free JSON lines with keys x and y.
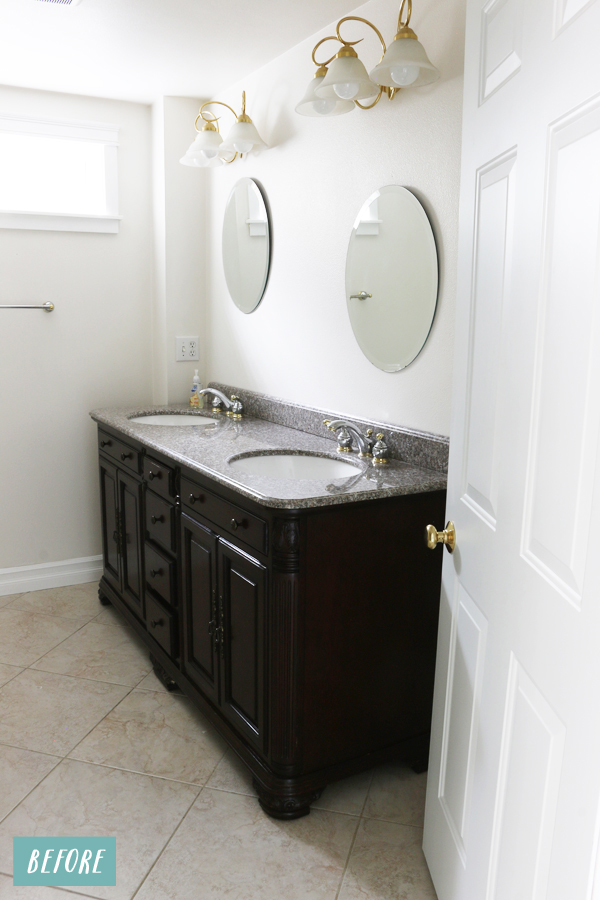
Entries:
{"x":142,"y":49}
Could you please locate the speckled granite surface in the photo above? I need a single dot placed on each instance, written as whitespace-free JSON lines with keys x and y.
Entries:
{"x":420,"y":448}
{"x":208,"y":449}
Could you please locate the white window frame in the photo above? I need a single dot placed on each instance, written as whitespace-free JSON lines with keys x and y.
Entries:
{"x":99,"y":132}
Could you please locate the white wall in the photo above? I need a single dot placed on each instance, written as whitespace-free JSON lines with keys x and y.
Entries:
{"x":179,"y":248}
{"x":299,"y":344}
{"x":93,"y":350}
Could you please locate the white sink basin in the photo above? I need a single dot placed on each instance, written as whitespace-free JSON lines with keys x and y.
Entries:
{"x":173,"y":420}
{"x":294,"y":466}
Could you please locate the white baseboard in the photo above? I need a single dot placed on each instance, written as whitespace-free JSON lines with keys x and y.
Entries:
{"x":20,"y":579}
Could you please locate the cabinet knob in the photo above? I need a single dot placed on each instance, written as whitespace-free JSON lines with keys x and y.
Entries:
{"x":125,"y":456}
{"x":106,"y":443}
{"x":156,"y":623}
{"x":155,"y":519}
{"x":234,"y":525}
{"x":155,"y":572}
{"x":199,"y":498}
{"x":152,"y":475}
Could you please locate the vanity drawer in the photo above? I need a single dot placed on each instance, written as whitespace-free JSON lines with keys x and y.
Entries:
{"x":125,"y":455}
{"x":160,"y":521}
{"x":161,"y":625}
{"x":160,"y":574}
{"x":237,"y":522}
{"x":160,"y":477}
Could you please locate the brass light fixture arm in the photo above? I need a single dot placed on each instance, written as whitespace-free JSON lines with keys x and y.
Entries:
{"x":214,"y":120}
{"x":382,"y":90}
{"x":408,"y":4}
{"x":366,"y":22}
{"x":332,"y":37}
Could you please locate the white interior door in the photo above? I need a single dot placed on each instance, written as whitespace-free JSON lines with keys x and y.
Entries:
{"x":514,"y":781}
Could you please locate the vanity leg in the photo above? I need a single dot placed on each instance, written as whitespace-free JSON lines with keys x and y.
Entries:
{"x":162,"y":675}
{"x":285,"y":806}
{"x":103,"y":598}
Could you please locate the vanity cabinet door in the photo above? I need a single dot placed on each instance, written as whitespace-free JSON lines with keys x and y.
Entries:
{"x":242,"y":593}
{"x":132,"y":543}
{"x":111,"y":540}
{"x":199,"y":607}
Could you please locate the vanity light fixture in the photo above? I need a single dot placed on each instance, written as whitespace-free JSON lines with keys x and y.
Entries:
{"x":209,"y":148}
{"x":342,"y":82}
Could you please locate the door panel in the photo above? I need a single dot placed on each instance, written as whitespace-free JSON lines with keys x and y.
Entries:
{"x":513,"y":797}
{"x":242,"y":593}
{"x":130,"y":507}
{"x":566,"y":422}
{"x":491,"y":266}
{"x":530,"y":763}
{"x":109,"y":499}
{"x":198,"y":606}
{"x":466,"y":668}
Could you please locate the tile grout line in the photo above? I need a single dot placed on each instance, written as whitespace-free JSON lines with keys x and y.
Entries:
{"x":60,"y":759}
{"x":362,"y":812}
{"x":12,"y":677}
{"x":58,"y":756}
{"x":84,"y":678}
{"x":175,"y":830}
{"x":66,"y":638}
{"x":342,"y":879}
{"x":360,"y":819}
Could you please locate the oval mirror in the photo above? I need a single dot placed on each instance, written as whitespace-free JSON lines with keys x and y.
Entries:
{"x":391,"y":278}
{"x":246,"y":245}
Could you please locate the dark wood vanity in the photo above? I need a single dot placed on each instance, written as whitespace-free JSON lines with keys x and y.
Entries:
{"x":306,"y":636}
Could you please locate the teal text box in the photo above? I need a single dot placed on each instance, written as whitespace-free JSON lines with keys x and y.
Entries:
{"x":65,"y":861}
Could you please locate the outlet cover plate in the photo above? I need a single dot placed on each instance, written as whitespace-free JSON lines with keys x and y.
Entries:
{"x":186,"y":349}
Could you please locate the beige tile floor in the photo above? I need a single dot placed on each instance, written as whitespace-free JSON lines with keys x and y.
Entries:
{"x":92,"y":744}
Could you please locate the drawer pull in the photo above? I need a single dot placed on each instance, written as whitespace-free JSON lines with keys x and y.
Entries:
{"x":199,"y":498}
{"x":125,"y":456}
{"x":155,"y":519}
{"x":155,"y":572}
{"x":152,"y":475}
{"x":157,"y":623}
{"x":235,"y":524}
{"x":106,"y":443}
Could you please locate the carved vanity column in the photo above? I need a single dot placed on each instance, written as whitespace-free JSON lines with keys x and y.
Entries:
{"x":290,"y":799}
{"x":286,"y":750}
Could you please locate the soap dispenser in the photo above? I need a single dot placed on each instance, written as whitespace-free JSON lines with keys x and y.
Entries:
{"x":196,"y":399}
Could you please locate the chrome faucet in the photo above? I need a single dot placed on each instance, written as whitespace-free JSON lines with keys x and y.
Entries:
{"x":234,"y":406}
{"x":347,"y":429}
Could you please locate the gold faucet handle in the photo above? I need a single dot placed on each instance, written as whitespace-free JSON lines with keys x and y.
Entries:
{"x":433,"y":537}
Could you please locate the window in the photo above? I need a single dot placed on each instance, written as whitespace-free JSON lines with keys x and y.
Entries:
{"x":58,"y":175}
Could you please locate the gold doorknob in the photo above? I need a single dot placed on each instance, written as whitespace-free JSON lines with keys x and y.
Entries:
{"x":433,"y":537}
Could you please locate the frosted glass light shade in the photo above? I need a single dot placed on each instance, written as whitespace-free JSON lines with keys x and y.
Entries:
{"x":402,"y":57}
{"x":344,"y":71}
{"x":204,"y":151}
{"x":201,"y":162}
{"x":208,"y":143}
{"x":313,"y":105}
{"x":242,"y":138}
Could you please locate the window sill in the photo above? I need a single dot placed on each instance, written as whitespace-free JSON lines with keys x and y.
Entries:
{"x":60,"y":222}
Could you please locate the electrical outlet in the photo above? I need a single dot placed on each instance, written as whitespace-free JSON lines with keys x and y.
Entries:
{"x":186,"y":349}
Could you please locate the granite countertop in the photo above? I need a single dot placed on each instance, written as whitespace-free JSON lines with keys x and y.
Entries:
{"x":208,"y":448}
